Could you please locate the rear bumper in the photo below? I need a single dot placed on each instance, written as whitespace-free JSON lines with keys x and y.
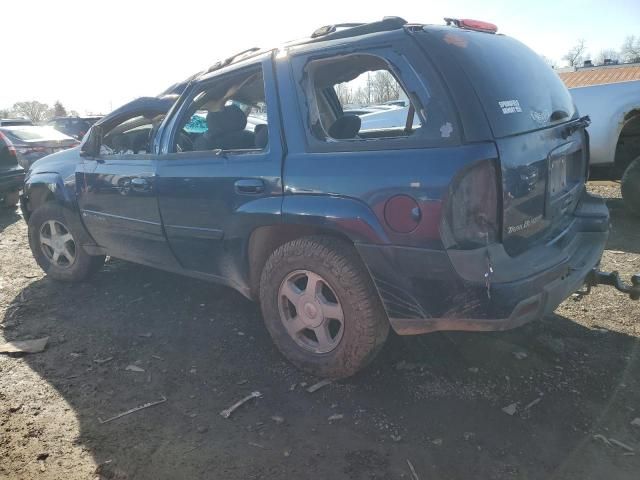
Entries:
{"x":427,"y":290}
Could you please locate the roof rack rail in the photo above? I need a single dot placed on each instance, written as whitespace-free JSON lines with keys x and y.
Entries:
{"x":331,"y":32}
{"x":227,"y":61}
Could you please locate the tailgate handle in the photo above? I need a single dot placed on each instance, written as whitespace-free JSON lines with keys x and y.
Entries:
{"x":249,"y":186}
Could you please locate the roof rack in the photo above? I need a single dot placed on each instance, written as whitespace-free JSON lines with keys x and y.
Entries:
{"x":229,"y":60}
{"x":332,"y":32}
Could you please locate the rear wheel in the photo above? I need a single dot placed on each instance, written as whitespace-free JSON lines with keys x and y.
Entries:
{"x":11,"y":199}
{"x":321,"y":308}
{"x":631,"y":187}
{"x":55,"y":238}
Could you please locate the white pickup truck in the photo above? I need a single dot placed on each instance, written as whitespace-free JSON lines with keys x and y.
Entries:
{"x":614,"y":133}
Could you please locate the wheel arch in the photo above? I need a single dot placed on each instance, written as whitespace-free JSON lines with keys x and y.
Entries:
{"x":629,"y":128}
{"x":45,"y":187}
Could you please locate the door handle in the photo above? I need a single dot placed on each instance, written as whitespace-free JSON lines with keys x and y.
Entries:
{"x":140,"y":184}
{"x":249,"y":186}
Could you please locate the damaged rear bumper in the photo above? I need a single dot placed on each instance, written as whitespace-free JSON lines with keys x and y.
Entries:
{"x":486,"y":289}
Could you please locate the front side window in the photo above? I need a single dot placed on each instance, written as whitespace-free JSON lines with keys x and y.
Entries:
{"x":228,"y":113}
{"x":131,"y":137}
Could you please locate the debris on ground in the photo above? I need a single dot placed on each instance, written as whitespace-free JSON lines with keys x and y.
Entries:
{"x":636,"y":422}
{"x":437,"y":442}
{"x":468,"y":436}
{"x":396,"y":438}
{"x":254,"y":444}
{"x":414,"y":475}
{"x":134,"y":368}
{"x":145,"y":335}
{"x":473,"y":369}
{"x":227,"y":412}
{"x":532,"y":403}
{"x":15,"y":408}
{"x":24,"y":346}
{"x":317,"y":386}
{"x":101,"y":361}
{"x":520,"y":355}
{"x":335,"y":416}
{"x":624,"y":446}
{"x":133,"y":410}
{"x":602,"y":438}
{"x":278,"y":419}
{"x":511,"y":409}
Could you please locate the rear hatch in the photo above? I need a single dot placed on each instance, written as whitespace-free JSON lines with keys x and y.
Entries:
{"x":541,"y":143}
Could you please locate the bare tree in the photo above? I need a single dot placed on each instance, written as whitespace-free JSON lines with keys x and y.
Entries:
{"x":5,"y":113}
{"x":575,"y":56}
{"x":630,"y":49}
{"x":59,"y":110}
{"x":384,"y":87}
{"x":550,"y":61}
{"x":34,"y":110}
{"x":345,"y":94}
{"x":607,"y":54}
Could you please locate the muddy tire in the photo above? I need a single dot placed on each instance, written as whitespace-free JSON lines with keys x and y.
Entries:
{"x":321,"y":307}
{"x":55,"y":238}
{"x":11,"y":199}
{"x":631,"y":187}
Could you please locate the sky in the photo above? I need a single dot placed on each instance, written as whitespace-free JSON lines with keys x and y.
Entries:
{"x":94,"y":56}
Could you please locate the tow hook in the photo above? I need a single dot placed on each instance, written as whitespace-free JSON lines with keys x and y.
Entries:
{"x":596,"y":277}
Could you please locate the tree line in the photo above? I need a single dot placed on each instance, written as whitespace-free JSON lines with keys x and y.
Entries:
{"x":37,"y":112}
{"x":629,"y":52}
{"x":379,"y":87}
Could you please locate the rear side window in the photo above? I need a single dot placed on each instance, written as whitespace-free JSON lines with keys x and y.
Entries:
{"x":359,"y":100}
{"x":517,"y":89}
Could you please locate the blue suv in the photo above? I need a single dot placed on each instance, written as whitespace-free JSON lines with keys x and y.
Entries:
{"x":468,"y":214}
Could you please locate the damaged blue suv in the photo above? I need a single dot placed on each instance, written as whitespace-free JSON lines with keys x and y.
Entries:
{"x":468,"y":213}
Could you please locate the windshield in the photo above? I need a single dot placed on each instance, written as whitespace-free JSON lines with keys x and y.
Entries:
{"x":518,"y":90}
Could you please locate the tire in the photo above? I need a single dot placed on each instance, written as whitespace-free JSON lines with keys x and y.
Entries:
{"x":11,"y":199}
{"x":55,"y":229}
{"x":631,"y":187}
{"x":342,"y":283}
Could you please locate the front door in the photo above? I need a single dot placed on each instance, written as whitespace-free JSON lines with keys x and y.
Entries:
{"x":117,"y":190}
{"x":222,"y":170}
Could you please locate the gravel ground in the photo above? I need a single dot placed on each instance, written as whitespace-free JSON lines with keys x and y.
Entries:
{"x":434,"y":403}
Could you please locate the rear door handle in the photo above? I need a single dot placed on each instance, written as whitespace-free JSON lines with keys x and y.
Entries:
{"x":249,"y":186}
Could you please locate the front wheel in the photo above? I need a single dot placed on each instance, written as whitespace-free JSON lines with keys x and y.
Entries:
{"x":321,"y":307}
{"x":631,"y":187}
{"x":55,"y":238}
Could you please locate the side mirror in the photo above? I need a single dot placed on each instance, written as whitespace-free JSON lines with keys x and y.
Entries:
{"x":90,"y":146}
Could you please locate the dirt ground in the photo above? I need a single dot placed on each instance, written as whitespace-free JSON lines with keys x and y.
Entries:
{"x":434,"y":403}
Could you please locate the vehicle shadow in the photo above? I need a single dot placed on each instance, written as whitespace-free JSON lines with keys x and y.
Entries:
{"x":434,"y":400}
{"x":8,"y":216}
{"x":625,"y":228}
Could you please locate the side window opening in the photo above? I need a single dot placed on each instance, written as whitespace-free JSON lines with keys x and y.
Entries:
{"x":131,"y":137}
{"x":357,"y":97}
{"x":229,"y":114}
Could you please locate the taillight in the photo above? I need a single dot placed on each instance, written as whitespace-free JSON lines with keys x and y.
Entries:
{"x":471,"y":219}
{"x":10,"y":146}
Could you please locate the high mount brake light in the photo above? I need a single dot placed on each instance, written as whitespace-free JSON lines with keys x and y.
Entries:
{"x":470,"y":24}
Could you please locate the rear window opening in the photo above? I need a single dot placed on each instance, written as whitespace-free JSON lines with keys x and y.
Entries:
{"x":357,"y":97}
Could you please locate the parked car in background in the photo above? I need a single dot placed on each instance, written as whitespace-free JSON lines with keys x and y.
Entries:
{"x":12,"y":122}
{"x":75,"y":127}
{"x":31,"y":143}
{"x":471,"y":214}
{"x":11,"y":173}
{"x":614,"y":133}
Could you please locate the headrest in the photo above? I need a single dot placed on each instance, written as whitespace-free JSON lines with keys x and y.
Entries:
{"x":261,"y":135}
{"x":345,"y":127}
{"x":229,"y":119}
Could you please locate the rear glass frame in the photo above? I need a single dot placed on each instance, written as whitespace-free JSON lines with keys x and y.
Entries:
{"x":516,"y":88}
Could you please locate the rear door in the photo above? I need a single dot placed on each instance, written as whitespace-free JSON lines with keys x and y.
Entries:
{"x":543,"y":159}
